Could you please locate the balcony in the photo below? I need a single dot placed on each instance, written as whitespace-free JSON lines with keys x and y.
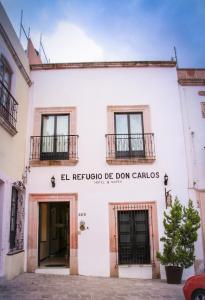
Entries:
{"x":130,"y":148}
{"x":8,"y":110}
{"x":54,"y":150}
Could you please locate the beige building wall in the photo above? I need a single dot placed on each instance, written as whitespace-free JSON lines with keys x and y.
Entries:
{"x":12,"y":148}
{"x":12,"y":141}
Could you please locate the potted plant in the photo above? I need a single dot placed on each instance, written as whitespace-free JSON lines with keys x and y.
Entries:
{"x":180,"y":228}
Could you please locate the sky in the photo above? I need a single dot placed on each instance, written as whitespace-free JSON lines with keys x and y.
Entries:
{"x":114,"y":30}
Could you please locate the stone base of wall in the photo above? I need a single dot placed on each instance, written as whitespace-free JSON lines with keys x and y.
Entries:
{"x":14,"y":265}
{"x":134,"y":271}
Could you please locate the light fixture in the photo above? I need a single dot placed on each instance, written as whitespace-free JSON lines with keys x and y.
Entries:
{"x":168,"y":196}
{"x":165,"y":179}
{"x":53,"y":181}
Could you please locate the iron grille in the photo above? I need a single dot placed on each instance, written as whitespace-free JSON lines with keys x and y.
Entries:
{"x":58,"y":147}
{"x":16,"y":220}
{"x":140,"y":145}
{"x":8,"y":106}
{"x":133,"y":237}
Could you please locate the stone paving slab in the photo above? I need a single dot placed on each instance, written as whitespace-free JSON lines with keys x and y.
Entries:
{"x":30,"y":286}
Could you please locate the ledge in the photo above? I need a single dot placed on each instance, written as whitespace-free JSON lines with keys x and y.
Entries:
{"x":14,"y":252}
{"x":192,"y":82}
{"x":7,"y":126}
{"x":47,"y":163}
{"x":134,"y":265}
{"x":129,"y":161}
{"x":104,"y":64}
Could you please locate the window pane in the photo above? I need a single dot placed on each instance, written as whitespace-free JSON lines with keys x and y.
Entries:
{"x":62,"y":133}
{"x":122,"y":141}
{"x":62,"y":143}
{"x":135,"y":123}
{"x":1,"y":70}
{"x":48,"y":125}
{"x":62,"y":125}
{"x":47,"y":141}
{"x":5,"y":73}
{"x":7,"y":77}
{"x":121,"y":124}
{"x":136,"y":130}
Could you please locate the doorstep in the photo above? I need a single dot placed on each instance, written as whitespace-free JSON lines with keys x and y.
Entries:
{"x":53,"y":271}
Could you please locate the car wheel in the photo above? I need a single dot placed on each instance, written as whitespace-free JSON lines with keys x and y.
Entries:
{"x":198,"y":295}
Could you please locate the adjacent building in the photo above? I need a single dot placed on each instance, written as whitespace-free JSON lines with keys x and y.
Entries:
{"x":192,"y":94}
{"x":14,"y":88}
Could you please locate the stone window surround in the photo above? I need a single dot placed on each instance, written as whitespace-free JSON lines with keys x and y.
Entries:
{"x":39,"y":111}
{"x":153,"y":231}
{"x":203,"y":109}
{"x":34,"y":200}
{"x":111,"y":110}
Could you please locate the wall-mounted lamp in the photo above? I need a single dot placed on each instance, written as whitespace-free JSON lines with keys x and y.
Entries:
{"x":165,"y":179}
{"x":168,"y":196}
{"x":53,"y":181}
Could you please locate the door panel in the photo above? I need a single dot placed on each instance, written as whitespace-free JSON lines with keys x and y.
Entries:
{"x":129,"y":135}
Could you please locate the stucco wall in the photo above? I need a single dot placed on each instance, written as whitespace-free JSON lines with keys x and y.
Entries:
{"x":12,"y":148}
{"x":194,"y":130}
{"x":91,"y":91}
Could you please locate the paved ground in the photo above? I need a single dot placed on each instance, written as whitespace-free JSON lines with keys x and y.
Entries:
{"x":38,"y":286}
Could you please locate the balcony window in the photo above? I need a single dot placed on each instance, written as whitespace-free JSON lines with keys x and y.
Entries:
{"x":55,"y":138}
{"x":129,"y":135}
{"x":8,"y":105}
{"x":129,"y":139}
{"x":5,"y":73}
{"x":54,"y":141}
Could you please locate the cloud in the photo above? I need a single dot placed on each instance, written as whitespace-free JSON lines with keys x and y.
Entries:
{"x":69,"y":43}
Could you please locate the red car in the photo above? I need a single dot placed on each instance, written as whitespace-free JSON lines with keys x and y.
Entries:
{"x":194,"y":288}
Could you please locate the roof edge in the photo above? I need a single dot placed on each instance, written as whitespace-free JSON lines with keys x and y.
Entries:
{"x":190,"y":69}
{"x":111,"y":64}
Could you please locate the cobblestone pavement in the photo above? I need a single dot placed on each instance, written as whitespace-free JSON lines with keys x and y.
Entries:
{"x":38,"y":286}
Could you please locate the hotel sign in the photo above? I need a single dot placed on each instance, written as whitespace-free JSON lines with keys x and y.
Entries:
{"x":109,"y":177}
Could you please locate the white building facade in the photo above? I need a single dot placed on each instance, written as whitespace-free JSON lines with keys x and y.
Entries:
{"x":102,"y":137}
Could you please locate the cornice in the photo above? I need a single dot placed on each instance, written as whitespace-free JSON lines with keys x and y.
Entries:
{"x":192,"y":82}
{"x":113,"y":64}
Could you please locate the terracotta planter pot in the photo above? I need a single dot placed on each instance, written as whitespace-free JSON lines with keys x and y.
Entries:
{"x":174,"y":274}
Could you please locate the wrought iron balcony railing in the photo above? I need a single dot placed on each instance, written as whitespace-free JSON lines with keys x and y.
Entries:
{"x":8,"y":106}
{"x":130,"y":146}
{"x":58,"y":147}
